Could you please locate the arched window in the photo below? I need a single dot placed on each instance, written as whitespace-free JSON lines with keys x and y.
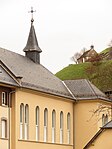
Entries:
{"x":53,"y":125}
{"x":4,"y":98}
{"x":4,"y":128}
{"x":61,"y":127}
{"x":45,"y":124}
{"x":37,"y":123}
{"x":26,"y":121}
{"x":103,"y":119}
{"x":21,"y":120}
{"x":106,"y":119}
{"x":68,"y":127}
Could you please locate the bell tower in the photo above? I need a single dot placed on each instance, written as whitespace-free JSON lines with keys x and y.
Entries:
{"x":32,"y":49}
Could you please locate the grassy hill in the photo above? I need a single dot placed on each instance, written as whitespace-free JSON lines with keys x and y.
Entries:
{"x":99,"y":73}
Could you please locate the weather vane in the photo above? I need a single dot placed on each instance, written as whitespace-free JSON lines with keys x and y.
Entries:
{"x":32,"y":11}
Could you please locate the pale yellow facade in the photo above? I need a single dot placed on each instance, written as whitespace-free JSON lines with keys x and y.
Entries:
{"x":34,"y":99}
{"x":4,"y":114}
{"x":83,"y":126}
{"x":86,"y":122}
{"x":103,"y":141}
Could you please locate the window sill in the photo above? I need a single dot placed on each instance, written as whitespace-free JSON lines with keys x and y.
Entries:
{"x":3,"y":105}
{"x":3,"y":138}
{"x":32,"y":141}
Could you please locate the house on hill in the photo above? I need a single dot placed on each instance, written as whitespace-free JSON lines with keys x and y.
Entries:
{"x":38,"y":110}
{"x":86,"y":56}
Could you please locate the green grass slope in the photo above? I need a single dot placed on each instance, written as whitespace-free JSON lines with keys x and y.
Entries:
{"x":73,"y":71}
{"x":100,"y":74}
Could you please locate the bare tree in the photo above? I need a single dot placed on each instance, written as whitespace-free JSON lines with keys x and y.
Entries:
{"x":97,"y":113}
{"x":75,"y":57}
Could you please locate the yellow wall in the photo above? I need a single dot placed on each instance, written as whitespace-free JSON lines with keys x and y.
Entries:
{"x":85,"y":127}
{"x":13,"y":123}
{"x":34,"y":99}
{"x":86,"y":122}
{"x":4,"y":114}
{"x":103,"y":141}
{"x":3,"y":143}
{"x":35,"y":145}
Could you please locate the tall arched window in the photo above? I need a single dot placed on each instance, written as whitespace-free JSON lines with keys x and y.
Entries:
{"x":26,"y":121}
{"x":106,"y":119}
{"x":53,"y":125}
{"x":61,"y":127}
{"x":45,"y":124}
{"x":3,"y":128}
{"x":37,"y":123}
{"x":21,"y":120}
{"x":103,"y":119}
{"x":68,"y":127}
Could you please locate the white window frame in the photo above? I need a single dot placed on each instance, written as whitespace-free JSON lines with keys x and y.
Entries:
{"x":45,"y":124}
{"x":68,"y":127}
{"x":3,"y":128}
{"x":26,"y":131}
{"x":61,"y":135}
{"x":4,"y":99}
{"x":21,"y":120}
{"x":53,"y":125}
{"x":37,"y":123}
{"x":26,"y":124}
{"x":61,"y":127}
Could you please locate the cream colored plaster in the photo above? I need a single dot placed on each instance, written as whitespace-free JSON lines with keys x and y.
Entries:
{"x":84,"y":127}
{"x":34,"y":99}
{"x":35,"y":145}
{"x":3,"y":143}
{"x":4,"y":114}
{"x":104,"y":141}
{"x":86,"y":122}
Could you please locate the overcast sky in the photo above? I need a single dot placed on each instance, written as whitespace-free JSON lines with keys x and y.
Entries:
{"x":63,"y":27}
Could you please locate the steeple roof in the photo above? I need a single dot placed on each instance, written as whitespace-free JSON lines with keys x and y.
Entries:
{"x":32,"y":43}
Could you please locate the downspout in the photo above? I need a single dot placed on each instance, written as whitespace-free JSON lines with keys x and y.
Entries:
{"x":73,"y":127}
{"x":9,"y":116}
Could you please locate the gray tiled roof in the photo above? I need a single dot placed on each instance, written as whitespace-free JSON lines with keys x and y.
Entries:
{"x":34,"y":76}
{"x":84,"y":89}
{"x":108,"y":125}
{"x":6,"y":78}
{"x":32,"y":43}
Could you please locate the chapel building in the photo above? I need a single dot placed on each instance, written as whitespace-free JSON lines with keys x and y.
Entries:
{"x":38,"y":110}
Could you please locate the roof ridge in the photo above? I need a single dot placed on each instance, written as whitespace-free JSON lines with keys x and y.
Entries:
{"x":69,"y":90}
{"x":89,"y":83}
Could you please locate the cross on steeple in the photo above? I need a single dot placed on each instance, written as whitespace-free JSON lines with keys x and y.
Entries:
{"x":32,"y":11}
{"x":32,"y":49}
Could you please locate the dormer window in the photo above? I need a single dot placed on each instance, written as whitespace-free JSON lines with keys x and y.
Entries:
{"x":4,"y":98}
